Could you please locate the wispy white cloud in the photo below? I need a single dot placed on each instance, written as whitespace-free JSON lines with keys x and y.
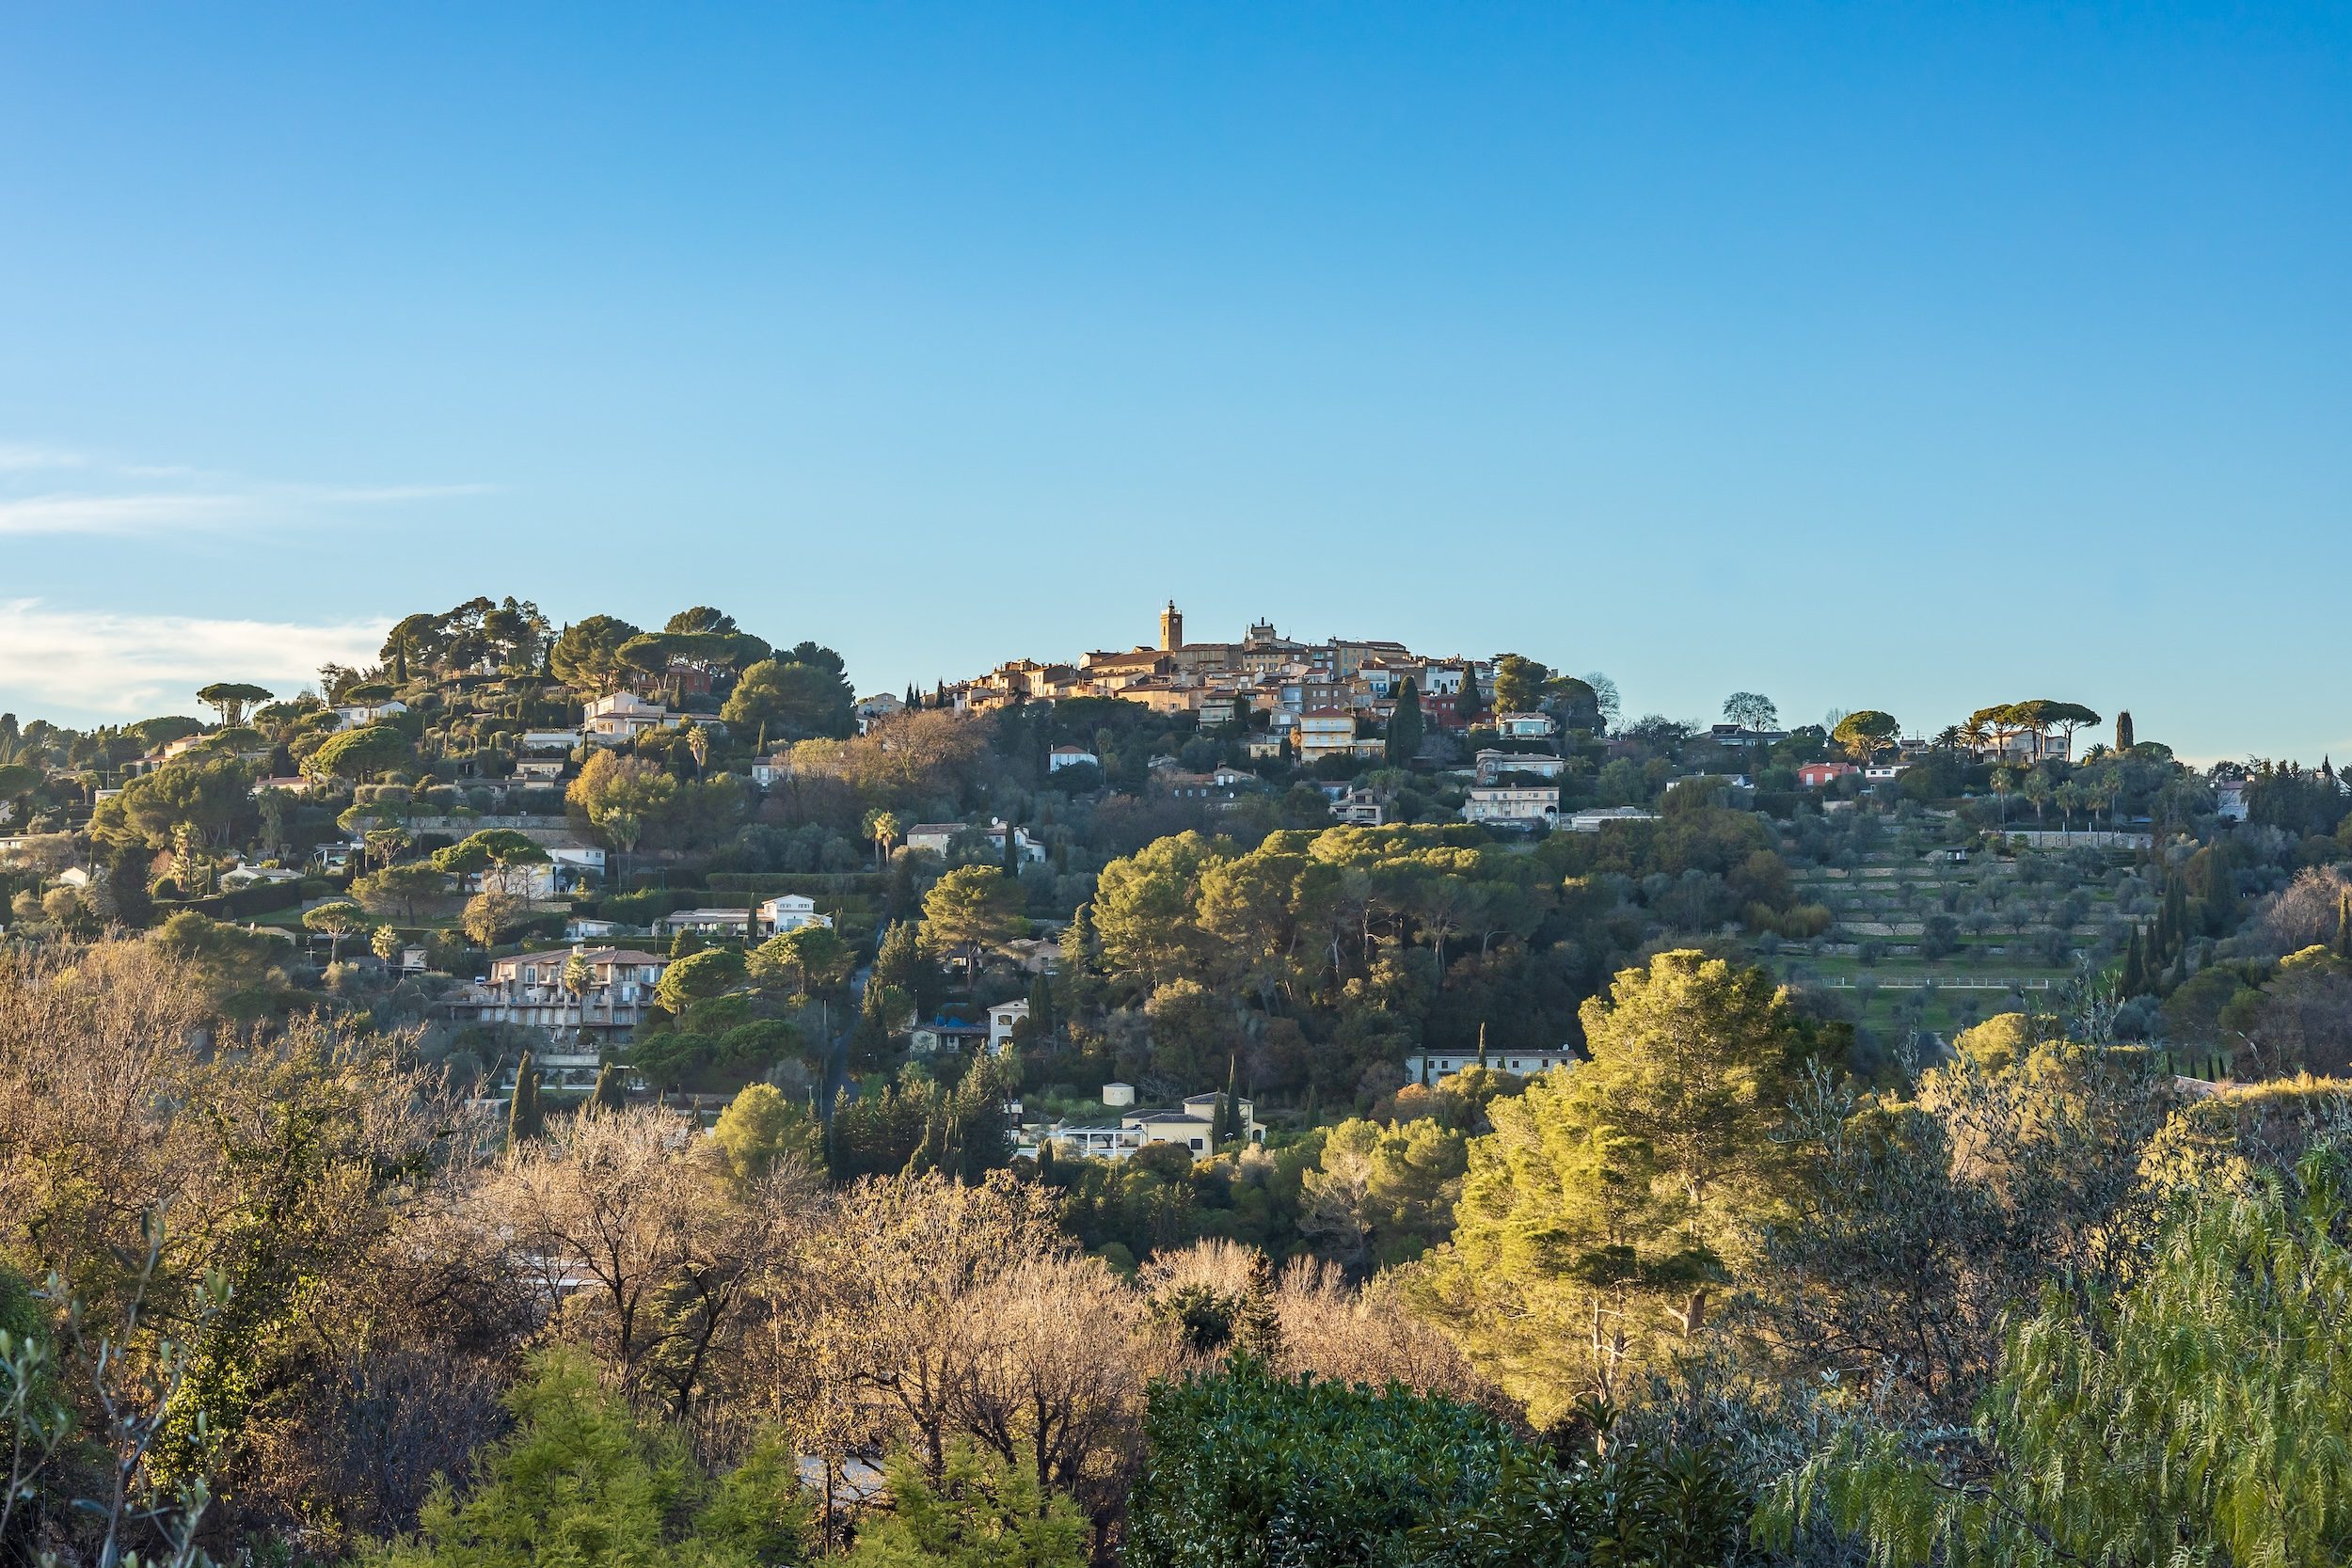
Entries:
{"x":53,"y":490}
{"x":66,"y":664}
{"x":20,"y":457}
{"x":63,"y":511}
{"x":377,"y":495}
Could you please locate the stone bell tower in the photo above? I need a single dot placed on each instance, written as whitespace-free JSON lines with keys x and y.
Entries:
{"x":1172,"y":627}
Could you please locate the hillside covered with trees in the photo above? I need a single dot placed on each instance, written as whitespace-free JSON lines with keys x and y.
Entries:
{"x":590,"y":1095}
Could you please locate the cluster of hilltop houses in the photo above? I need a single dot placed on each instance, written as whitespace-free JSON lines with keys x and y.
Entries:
{"x":1317,"y":697}
{"x":588,"y":998}
{"x":1308,"y":702}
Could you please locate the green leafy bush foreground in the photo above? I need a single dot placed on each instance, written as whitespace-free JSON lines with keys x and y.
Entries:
{"x":1245,"y":1469}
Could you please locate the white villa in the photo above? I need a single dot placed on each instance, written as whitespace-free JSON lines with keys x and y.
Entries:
{"x":1002,"y":1018}
{"x":1512,"y":805}
{"x":1492,"y":765}
{"x":358,"y":716}
{"x":937,"y":836}
{"x":1438,"y":1064}
{"x":721,"y":922}
{"x":1192,"y":1127}
{"x":1524,"y":726}
{"x":788,"y":912}
{"x":1592,"y":821}
{"x":623,"y":716}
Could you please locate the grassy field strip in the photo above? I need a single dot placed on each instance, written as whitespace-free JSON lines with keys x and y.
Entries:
{"x":1840,"y":984}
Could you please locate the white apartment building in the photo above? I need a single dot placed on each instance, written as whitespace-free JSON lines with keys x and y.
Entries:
{"x":528,"y":989}
{"x":1330,"y":732}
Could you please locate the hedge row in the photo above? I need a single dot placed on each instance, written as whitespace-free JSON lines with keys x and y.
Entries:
{"x":243,"y":904}
{"x":809,"y":884}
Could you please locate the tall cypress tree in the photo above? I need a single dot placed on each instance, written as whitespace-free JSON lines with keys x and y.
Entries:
{"x":2134,"y":979}
{"x":607,"y":1094}
{"x":870,"y":1037}
{"x":1077,"y":942}
{"x":1405,"y":725}
{"x":2342,"y":947}
{"x":2176,"y":915}
{"x":1467,"y":703}
{"x":524,"y":1118}
{"x":1044,"y":1026}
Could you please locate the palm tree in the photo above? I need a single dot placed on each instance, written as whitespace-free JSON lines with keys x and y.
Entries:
{"x":2106,"y":789}
{"x":1975,"y":732}
{"x":698,"y":747}
{"x":2070,"y":797}
{"x":579,"y":978}
{"x":2038,"y":791}
{"x":624,"y":827}
{"x":2005,"y":784}
{"x":883,"y":828}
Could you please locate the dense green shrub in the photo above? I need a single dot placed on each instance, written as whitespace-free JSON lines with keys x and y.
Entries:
{"x":1629,"y":1508}
{"x":1245,"y":1469}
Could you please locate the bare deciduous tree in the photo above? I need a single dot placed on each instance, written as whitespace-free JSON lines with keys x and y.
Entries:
{"x":1063,"y":1352}
{"x":638,"y":1247}
{"x":891,"y":1280}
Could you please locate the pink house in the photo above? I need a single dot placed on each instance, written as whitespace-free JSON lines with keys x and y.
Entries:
{"x":1813,"y":775}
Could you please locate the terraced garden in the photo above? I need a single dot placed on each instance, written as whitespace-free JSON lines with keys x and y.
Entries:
{"x":1922,"y":941}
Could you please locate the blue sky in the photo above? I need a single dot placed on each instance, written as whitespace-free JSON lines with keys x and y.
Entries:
{"x":1913,"y":357}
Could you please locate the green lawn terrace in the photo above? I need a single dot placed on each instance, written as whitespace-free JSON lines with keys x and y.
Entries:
{"x":1895,"y":998}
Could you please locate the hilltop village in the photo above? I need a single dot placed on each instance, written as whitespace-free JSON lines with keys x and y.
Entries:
{"x":689,"y":1040}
